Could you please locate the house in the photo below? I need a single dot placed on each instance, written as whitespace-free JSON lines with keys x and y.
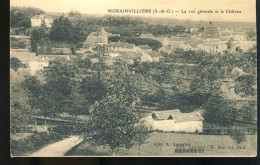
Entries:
{"x":146,"y":58}
{"x":61,"y":51}
{"x":145,"y":48}
{"x":122,"y":47}
{"x":211,"y":33}
{"x":174,"y":120}
{"x":33,"y":63}
{"x":165,"y":50}
{"x":147,"y":35}
{"x":156,"y":56}
{"x":96,"y":38}
{"x":193,"y":29}
{"x":243,"y":45}
{"x":213,"y":47}
{"x":173,"y":45}
{"x":37,"y":20}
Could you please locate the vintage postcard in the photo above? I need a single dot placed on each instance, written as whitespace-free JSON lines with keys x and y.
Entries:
{"x":157,"y":78}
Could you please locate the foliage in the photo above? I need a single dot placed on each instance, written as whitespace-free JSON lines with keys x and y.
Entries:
{"x":142,"y":134}
{"x":16,"y":64}
{"x":33,"y":143}
{"x":63,"y":31}
{"x":21,"y":17}
{"x":219,"y":111}
{"x":39,"y":40}
{"x":245,"y":86}
{"x":17,"y":44}
{"x":66,"y":129}
{"x":38,"y":97}
{"x":111,"y":123}
{"x":248,"y":112}
{"x":237,"y":135}
{"x":20,"y":110}
{"x":113,"y":39}
{"x":154,"y":44}
{"x":60,"y":79}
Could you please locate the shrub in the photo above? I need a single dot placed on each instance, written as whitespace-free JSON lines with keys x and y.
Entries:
{"x":33,"y":143}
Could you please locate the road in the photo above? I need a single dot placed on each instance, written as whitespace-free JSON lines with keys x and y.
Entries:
{"x":58,"y":148}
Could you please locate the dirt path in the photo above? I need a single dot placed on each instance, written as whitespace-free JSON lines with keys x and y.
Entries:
{"x":58,"y":148}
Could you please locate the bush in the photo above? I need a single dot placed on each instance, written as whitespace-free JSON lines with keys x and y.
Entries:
{"x":66,"y":129}
{"x":16,"y":44}
{"x":33,"y":143}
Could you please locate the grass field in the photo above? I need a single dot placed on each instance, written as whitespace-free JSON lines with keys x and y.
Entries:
{"x":164,"y":144}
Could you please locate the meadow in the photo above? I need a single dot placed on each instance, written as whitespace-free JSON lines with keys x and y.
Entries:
{"x":175,"y":144}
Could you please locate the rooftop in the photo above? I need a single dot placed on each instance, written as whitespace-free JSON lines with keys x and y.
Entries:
{"x":42,"y":16}
{"x":177,"y":116}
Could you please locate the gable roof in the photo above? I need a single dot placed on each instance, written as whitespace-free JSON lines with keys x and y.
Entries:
{"x":23,"y":56}
{"x":95,"y":40}
{"x":147,"y":35}
{"x":144,"y":47}
{"x":177,"y":115}
{"x":121,"y":45}
{"x":42,"y":16}
{"x":163,"y":115}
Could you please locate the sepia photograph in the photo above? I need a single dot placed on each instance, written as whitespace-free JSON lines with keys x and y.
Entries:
{"x":139,"y":78}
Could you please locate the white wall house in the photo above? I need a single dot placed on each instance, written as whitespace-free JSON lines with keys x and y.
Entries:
{"x":32,"y":63}
{"x":174,"y":120}
{"x":37,"y":20}
{"x":213,"y":47}
{"x":146,"y":58}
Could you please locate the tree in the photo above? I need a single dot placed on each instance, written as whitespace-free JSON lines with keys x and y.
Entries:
{"x":60,"y":79}
{"x":111,"y":123}
{"x":248,"y":112}
{"x":39,"y":40}
{"x":21,"y":16}
{"x":38,"y":96}
{"x":219,"y":112}
{"x":142,"y":133}
{"x":77,"y":105}
{"x":15,"y":64}
{"x":63,"y":31}
{"x":238,"y":135}
{"x":245,"y":86}
{"x":20,"y":110}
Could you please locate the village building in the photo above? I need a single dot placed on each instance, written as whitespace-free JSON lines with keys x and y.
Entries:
{"x":37,"y":20}
{"x":213,"y":47}
{"x":122,"y":47}
{"x":146,"y":58}
{"x":30,"y":61}
{"x":147,"y":35}
{"x":165,"y":50}
{"x":193,"y":29}
{"x":174,"y":120}
{"x":238,"y":36}
{"x":211,"y":33}
{"x":96,"y":38}
{"x":156,"y":56}
{"x":145,"y":48}
{"x":243,"y":45}
{"x":170,"y":43}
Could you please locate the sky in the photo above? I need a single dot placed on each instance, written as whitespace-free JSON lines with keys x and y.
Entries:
{"x":100,"y":7}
